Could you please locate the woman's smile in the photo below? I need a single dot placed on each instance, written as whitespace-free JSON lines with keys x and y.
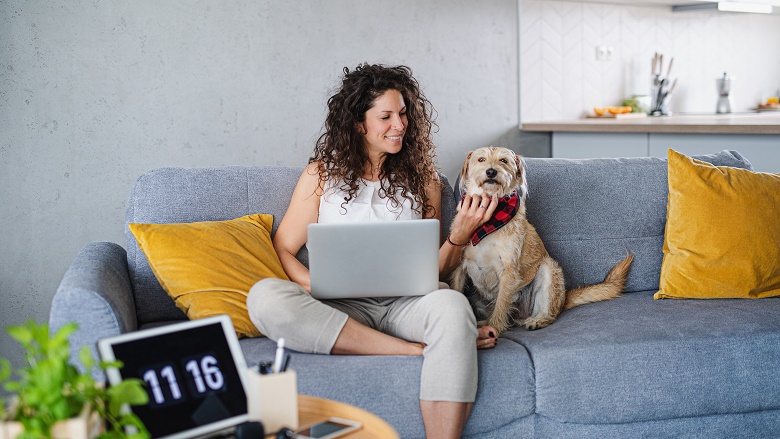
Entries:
{"x":385,"y":124}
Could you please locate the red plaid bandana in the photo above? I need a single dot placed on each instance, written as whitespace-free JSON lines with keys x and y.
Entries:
{"x":505,"y":211}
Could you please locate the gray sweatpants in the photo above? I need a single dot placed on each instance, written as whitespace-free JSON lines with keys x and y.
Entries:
{"x":443,"y":320}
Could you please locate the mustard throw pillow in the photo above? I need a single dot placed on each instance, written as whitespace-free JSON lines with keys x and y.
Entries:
{"x":722,"y":237}
{"x":208,"y":267}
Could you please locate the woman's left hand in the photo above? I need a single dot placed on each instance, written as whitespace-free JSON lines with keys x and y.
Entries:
{"x":473,"y":211}
{"x":486,"y":337}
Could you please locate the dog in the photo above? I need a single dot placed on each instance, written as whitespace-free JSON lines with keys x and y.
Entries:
{"x":517,"y":282}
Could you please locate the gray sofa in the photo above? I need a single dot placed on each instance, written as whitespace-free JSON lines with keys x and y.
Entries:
{"x":631,"y":367}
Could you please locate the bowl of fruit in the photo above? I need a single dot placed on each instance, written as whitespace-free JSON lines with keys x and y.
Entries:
{"x":772,"y":104}
{"x":617,"y":112}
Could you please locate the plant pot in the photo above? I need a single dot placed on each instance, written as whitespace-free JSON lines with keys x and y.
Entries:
{"x":86,"y":425}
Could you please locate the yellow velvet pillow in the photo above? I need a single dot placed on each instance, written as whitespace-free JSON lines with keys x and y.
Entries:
{"x":208,"y":267}
{"x":722,"y":237}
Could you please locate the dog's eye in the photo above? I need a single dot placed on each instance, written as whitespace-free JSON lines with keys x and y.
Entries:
{"x":481,"y":159}
{"x":503,"y":161}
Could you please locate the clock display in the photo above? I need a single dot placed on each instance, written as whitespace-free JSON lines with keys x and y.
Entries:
{"x":200,"y":374}
{"x":190,"y":376}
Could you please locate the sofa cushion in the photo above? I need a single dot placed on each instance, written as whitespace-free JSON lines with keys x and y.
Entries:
{"x":388,"y":386}
{"x":589,"y":211}
{"x":185,"y":195}
{"x":722,"y":232}
{"x":635,"y":359}
{"x":763,"y":424}
{"x":208,"y":267}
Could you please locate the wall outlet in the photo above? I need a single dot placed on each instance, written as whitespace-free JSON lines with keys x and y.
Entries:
{"x":605,"y":53}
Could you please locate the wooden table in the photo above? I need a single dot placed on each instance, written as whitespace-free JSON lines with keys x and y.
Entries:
{"x":312,"y":409}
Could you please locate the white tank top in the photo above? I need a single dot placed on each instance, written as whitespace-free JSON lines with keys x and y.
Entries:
{"x":367,"y":205}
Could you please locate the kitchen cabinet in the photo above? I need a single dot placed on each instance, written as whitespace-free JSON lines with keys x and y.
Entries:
{"x":755,"y":136}
{"x":763,"y":150}
{"x":589,"y":145}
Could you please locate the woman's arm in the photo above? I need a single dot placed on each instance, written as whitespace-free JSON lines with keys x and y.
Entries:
{"x":292,"y":232}
{"x":469,"y":217}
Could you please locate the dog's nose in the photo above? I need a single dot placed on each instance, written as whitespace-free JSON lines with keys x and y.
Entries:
{"x":491,"y":173}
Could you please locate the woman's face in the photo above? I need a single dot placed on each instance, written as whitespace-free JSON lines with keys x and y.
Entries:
{"x":385,"y":124}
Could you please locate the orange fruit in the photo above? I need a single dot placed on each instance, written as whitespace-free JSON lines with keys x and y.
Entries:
{"x":599,"y":111}
{"x":625,"y":109}
{"x":615,"y":110}
{"x":773,"y":100}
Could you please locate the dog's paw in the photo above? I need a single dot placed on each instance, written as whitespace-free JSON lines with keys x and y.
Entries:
{"x":537,"y":322}
{"x":499,"y":325}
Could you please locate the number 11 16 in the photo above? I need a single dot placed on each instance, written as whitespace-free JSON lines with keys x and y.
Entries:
{"x":203,"y":372}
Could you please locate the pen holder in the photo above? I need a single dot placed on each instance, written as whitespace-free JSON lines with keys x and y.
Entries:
{"x":273,"y":399}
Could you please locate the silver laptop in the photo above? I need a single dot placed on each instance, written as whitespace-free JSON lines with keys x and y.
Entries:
{"x":374,"y":259}
{"x":193,"y":372}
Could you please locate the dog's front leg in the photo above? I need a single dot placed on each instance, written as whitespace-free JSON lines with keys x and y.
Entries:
{"x":458,"y":279}
{"x":500,"y":319}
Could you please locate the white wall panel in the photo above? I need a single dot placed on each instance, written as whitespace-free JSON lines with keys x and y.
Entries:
{"x":561,"y":51}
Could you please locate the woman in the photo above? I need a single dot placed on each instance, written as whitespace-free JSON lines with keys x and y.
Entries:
{"x":375,"y":162}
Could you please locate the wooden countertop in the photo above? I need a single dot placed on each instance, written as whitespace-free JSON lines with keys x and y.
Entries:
{"x":735,"y":123}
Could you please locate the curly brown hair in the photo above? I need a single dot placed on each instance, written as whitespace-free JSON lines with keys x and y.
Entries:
{"x":341,"y":151}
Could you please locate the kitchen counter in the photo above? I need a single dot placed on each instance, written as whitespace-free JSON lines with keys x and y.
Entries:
{"x":755,"y":135}
{"x":735,"y":123}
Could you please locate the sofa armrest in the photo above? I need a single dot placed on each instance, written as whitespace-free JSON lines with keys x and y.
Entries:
{"x":96,"y":294}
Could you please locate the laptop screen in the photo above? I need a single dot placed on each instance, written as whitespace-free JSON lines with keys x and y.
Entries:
{"x":374,"y":259}
{"x":192,"y":371}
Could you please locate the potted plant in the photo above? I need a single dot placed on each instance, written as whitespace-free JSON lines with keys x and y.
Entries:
{"x":50,"y":391}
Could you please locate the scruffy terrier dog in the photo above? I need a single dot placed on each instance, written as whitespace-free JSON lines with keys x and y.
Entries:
{"x":517,"y":282}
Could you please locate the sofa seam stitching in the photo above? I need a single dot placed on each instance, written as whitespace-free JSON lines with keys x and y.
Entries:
{"x":647,"y":421}
{"x":605,"y":238}
{"x":533,"y":370}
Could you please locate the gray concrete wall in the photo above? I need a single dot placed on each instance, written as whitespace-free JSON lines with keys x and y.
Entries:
{"x":94,"y":93}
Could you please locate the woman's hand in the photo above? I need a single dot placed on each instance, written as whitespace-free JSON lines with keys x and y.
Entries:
{"x":486,"y":337}
{"x":473,"y":211}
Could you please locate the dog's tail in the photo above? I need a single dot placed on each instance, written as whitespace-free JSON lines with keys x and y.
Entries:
{"x":610,"y":288}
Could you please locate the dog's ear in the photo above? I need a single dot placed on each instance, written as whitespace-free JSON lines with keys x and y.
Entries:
{"x":464,"y":172}
{"x":522,"y":185}
{"x":520,"y":169}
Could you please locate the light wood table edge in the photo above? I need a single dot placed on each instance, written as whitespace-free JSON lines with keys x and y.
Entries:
{"x":312,"y":409}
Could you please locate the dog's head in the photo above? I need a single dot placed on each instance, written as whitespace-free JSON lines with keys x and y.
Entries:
{"x":493,"y":171}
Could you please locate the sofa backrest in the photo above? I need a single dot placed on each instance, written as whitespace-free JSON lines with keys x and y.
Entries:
{"x":173,"y":195}
{"x":589,"y":211}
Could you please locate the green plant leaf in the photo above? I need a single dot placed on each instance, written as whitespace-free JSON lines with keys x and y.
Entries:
{"x":5,"y":369}
{"x":51,"y":388}
{"x":85,"y":356}
{"x":63,"y":334}
{"x":130,"y":419}
{"x":114,"y":363}
{"x":129,"y":391}
{"x":114,"y":408}
{"x":22,"y":334}
{"x":40,"y":334}
{"x":61,"y":409}
{"x":45,"y":379}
